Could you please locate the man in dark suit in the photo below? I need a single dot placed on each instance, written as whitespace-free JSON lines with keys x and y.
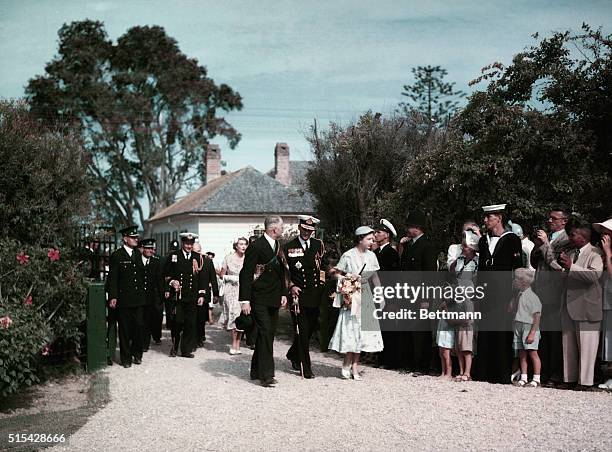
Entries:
{"x":500,"y":252}
{"x":306,"y":283}
{"x":263,"y":290}
{"x":126,"y":295}
{"x":418,"y":257}
{"x":185,"y":281}
{"x":210,"y":287}
{"x":389,"y":261}
{"x":154,"y":288}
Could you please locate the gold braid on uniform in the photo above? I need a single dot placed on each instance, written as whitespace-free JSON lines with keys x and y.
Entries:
{"x":196,"y":267}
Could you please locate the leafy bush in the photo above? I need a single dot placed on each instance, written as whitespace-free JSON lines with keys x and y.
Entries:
{"x":42,"y":303}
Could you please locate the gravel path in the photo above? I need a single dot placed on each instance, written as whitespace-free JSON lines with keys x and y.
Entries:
{"x":209,"y":403}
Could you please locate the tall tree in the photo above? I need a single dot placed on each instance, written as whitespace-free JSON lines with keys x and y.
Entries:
{"x":145,"y":111}
{"x":357,"y":166}
{"x":431,"y":96}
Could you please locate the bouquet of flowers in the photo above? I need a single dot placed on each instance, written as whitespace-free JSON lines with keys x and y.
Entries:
{"x":350,"y":285}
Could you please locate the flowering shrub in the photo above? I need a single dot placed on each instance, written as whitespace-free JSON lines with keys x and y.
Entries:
{"x":42,"y":303}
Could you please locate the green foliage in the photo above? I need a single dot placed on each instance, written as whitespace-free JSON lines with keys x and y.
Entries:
{"x":358,"y":167}
{"x":44,"y":296}
{"x":43,"y":189}
{"x":431,"y":96}
{"x":144,"y":109}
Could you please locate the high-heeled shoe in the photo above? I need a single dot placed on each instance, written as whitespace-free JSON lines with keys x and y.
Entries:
{"x":356,"y":376}
{"x":346,"y":373}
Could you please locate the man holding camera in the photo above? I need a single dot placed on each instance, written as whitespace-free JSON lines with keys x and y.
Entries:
{"x":548,"y":285}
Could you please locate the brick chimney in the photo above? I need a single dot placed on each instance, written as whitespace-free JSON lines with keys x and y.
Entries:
{"x":212,"y":160}
{"x":281,"y":164}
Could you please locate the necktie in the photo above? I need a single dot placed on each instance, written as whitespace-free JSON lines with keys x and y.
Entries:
{"x":306,"y":245}
{"x":146,"y":262}
{"x":576,"y":254}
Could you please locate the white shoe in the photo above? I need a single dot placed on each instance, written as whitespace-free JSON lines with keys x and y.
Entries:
{"x":356,"y":376}
{"x":234,"y":352}
{"x":346,"y":373}
{"x":606,"y":385}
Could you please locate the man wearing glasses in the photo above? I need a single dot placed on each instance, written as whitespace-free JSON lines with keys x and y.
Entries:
{"x":548,"y":286}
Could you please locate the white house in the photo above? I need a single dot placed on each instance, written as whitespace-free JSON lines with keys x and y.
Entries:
{"x":233,"y":205}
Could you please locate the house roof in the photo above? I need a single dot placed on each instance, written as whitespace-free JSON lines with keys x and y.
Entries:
{"x":246,"y":191}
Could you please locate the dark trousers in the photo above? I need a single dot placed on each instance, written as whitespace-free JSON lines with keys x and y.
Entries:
{"x":493,"y":361}
{"x":391,"y":356}
{"x":152,"y":324}
{"x":111,"y":332}
{"x":327,"y":324}
{"x":419,"y":349}
{"x":170,"y":308}
{"x":131,"y":324}
{"x":262,"y":363}
{"x":299,"y":351}
{"x":184,"y":332}
{"x":551,"y":356}
{"x":202,"y":318}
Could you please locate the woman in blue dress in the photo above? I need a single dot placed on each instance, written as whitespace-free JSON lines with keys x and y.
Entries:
{"x":357,"y":330}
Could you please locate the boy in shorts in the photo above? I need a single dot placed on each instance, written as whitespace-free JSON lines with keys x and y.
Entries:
{"x":527,"y":328}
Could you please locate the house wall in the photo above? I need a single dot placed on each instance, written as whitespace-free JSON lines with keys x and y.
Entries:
{"x":217,"y":233}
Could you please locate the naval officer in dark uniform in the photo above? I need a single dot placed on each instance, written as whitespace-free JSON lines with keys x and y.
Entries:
{"x":418,"y":257}
{"x":306,"y":284}
{"x":263,"y":290}
{"x":126,"y":295}
{"x":389,"y":261}
{"x":185,"y":281}
{"x":154,"y":288}
{"x":500,"y":253}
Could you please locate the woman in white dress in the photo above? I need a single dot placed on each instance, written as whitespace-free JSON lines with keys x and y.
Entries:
{"x":357,"y":330}
{"x":230,"y":271}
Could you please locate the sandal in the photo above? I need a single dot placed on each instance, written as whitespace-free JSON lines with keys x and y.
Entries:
{"x":458,"y":378}
{"x":521,"y":383}
{"x":532,"y":384}
{"x":466,"y":378}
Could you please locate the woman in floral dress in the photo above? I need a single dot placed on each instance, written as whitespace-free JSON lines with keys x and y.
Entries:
{"x":357,"y":330}
{"x":230,"y":271}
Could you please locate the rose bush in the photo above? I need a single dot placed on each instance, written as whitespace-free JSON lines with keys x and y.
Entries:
{"x":42,"y":304}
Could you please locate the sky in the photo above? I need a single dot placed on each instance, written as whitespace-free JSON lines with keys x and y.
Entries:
{"x":293,"y":61}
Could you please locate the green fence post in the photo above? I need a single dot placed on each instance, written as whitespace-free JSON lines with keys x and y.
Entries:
{"x":96,"y":327}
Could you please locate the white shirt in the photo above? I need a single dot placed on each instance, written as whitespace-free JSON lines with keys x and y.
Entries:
{"x":556,"y":234}
{"x":382,"y":246}
{"x":145,"y":260}
{"x":186,"y":254}
{"x":128,"y":250}
{"x":271,"y":241}
{"x":305,"y":243}
{"x":417,"y":238}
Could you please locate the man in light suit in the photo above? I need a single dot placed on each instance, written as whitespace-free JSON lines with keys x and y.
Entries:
{"x":548,"y":285}
{"x":581,"y":313}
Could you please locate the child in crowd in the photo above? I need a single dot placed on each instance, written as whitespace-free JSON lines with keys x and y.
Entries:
{"x":527,"y":328}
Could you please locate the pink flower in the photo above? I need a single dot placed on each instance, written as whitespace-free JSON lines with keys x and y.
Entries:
{"x":45,"y":350}
{"x":28,"y":301}
{"x":23,"y":258}
{"x":53,"y":254}
{"x":5,"y":322}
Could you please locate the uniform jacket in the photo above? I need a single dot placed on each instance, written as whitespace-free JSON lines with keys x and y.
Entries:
{"x":154,"y":283}
{"x":126,"y":279}
{"x":270,"y":285}
{"x":305,"y":270}
{"x":388,"y":258}
{"x":180,"y":269}
{"x":584,"y":299}
{"x":208,"y":284}
{"x":419,"y":256}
